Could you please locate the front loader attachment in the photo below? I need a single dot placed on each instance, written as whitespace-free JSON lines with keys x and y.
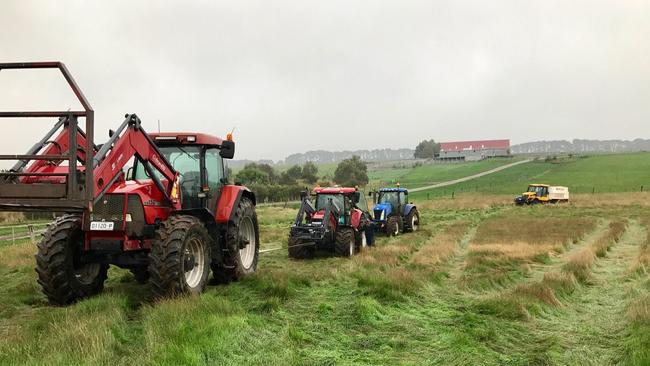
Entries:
{"x":40,"y":180}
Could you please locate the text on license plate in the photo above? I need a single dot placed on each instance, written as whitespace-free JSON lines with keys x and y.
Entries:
{"x":101,"y":226}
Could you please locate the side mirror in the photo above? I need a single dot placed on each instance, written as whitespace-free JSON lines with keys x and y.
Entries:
{"x":227,"y":149}
{"x":129,"y":173}
{"x":303,"y":195}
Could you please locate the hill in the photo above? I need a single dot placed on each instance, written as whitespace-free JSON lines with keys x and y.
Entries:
{"x":581,"y":146}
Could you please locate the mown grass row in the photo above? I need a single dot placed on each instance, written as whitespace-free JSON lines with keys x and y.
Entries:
{"x":528,"y":299}
{"x":504,"y":247}
{"x":637,"y":345}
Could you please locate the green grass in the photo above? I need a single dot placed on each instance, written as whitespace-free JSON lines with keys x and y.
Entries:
{"x":598,"y":173}
{"x":380,"y":308}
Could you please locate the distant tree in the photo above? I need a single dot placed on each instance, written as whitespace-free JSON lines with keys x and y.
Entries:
{"x":310,"y":172}
{"x":291,"y":175}
{"x":266,"y":169}
{"x":351,"y":172}
{"x":427,"y":149}
{"x":251,"y":174}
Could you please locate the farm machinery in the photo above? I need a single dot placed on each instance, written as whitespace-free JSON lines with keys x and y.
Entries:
{"x":543,"y":193}
{"x":170,"y":218}
{"x":393,"y":213}
{"x":331,"y":219}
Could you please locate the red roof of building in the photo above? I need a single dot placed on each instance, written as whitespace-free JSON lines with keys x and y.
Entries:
{"x":474,"y":145}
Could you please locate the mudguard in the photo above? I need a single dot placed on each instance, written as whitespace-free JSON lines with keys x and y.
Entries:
{"x":356,"y":218}
{"x":407,"y":208}
{"x":230,"y":197}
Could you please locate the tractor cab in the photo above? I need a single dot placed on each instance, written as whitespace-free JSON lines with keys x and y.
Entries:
{"x":198,"y":159}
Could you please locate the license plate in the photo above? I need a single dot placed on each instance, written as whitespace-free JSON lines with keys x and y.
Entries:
{"x":101,"y":226}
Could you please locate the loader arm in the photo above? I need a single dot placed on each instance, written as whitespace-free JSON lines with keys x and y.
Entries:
{"x":57,"y":146}
{"x":130,"y":140}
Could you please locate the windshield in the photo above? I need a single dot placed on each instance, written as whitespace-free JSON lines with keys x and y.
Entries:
{"x":322,"y":201}
{"x":389,"y":197}
{"x":537,"y":189}
{"x":185,"y":160}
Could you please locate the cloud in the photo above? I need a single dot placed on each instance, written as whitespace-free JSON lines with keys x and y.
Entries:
{"x":297,"y":75}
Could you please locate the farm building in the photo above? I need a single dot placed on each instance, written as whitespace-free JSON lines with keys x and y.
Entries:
{"x":474,"y":150}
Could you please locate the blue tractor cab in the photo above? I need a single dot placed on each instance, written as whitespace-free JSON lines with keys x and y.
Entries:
{"x":393,"y":213}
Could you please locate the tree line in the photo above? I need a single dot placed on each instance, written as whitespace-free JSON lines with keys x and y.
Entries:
{"x":271,"y":185}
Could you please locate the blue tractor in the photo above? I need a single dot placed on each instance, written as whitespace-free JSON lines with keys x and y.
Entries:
{"x":393,"y":213}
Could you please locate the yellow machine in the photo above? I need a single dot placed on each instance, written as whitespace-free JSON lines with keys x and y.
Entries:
{"x":543,"y":193}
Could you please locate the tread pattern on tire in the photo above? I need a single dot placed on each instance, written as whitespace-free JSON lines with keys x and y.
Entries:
{"x":409,"y":218}
{"x":231,"y":268}
{"x":344,"y":236}
{"x":165,"y":259}
{"x":390,"y":226}
{"x":54,"y":267}
{"x":299,"y":251}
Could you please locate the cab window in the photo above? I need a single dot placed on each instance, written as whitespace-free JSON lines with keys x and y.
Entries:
{"x":214,"y":169}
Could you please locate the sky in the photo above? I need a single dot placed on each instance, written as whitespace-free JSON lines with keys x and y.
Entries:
{"x":292,"y":76}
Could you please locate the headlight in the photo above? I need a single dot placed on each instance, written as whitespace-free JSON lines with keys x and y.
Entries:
{"x":383,"y":215}
{"x":128,"y":218}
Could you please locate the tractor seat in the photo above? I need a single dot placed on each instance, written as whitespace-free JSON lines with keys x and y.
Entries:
{"x":190,"y":187}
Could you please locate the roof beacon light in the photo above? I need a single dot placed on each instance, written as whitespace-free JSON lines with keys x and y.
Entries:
{"x":191,"y":138}
{"x":229,"y":136}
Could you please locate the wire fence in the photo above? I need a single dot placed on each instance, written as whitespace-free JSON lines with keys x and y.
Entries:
{"x":11,"y":234}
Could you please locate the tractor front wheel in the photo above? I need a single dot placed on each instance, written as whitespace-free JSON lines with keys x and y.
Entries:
{"x":344,"y":242}
{"x":413,"y":220}
{"x":392,"y":226}
{"x":62,"y":275}
{"x":179,"y":262}
{"x":242,"y":245}
{"x":298,"y":250}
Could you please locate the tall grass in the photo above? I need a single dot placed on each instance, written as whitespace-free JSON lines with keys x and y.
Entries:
{"x":504,"y":246}
{"x":580,"y":263}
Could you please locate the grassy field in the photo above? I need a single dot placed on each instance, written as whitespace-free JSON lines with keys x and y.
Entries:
{"x":428,"y":174}
{"x":482,"y":283}
{"x":599,"y":173}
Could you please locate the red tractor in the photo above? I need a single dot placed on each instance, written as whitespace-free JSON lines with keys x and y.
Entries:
{"x":169,"y":219}
{"x":337,"y":219}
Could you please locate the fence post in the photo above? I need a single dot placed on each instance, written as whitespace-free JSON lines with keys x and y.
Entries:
{"x":13,"y":235}
{"x":428,"y":198}
{"x":30,"y":228}
{"x":642,"y":188}
{"x":452,"y":194}
{"x":593,"y":190}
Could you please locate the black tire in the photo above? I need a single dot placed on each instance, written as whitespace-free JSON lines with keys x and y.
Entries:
{"x":62,"y":278}
{"x":412,"y":221}
{"x":344,"y":242}
{"x":299,"y":251}
{"x":392,"y":226}
{"x":233,"y":266}
{"x":141,"y":274}
{"x":179,"y":262}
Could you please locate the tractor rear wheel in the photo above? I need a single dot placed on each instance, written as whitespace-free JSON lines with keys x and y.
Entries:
{"x":344,"y":242}
{"x":242,"y":245}
{"x":179,"y":262}
{"x":61,"y":274}
{"x":297,"y":249}
{"x":413,"y":220}
{"x":392,"y":226}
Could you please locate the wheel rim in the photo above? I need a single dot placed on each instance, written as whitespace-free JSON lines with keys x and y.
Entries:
{"x":414,"y":223}
{"x":247,"y":235}
{"x":364,"y":241}
{"x":395,"y":229}
{"x":87,"y":273}
{"x":193,"y":262}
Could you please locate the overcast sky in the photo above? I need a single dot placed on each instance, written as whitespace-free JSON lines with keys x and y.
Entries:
{"x":292,"y":76}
